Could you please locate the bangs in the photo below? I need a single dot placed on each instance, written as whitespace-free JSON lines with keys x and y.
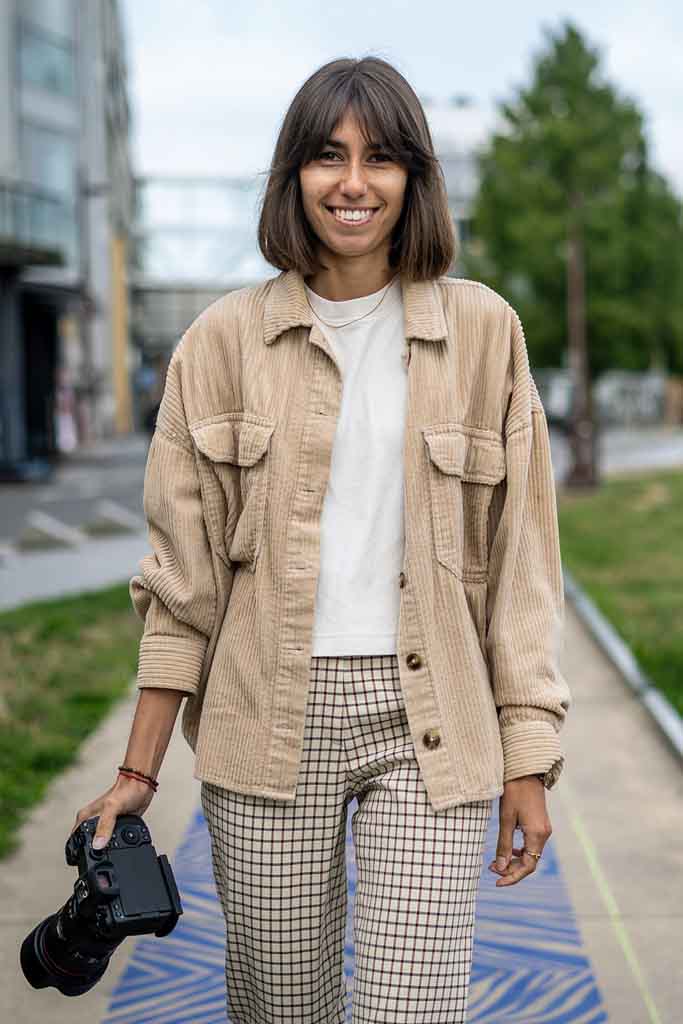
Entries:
{"x":378,"y":122}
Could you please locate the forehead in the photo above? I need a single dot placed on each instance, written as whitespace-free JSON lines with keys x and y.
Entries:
{"x":349,"y":129}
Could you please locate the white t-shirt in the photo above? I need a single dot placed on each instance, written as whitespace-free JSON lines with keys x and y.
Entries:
{"x":362,"y":523}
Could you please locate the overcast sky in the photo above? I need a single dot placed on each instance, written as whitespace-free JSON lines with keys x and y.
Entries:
{"x":210,"y":81}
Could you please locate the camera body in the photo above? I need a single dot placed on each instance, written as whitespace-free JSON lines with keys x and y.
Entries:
{"x":124,"y":889}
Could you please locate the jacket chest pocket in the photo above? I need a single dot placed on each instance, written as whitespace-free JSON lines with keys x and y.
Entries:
{"x":464,"y":464}
{"x":235,"y":471}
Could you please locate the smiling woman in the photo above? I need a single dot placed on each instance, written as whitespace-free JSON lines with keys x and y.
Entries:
{"x":355,"y":201}
{"x":355,"y":576}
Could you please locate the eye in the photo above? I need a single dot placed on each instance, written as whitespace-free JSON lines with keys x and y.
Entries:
{"x":329,"y":153}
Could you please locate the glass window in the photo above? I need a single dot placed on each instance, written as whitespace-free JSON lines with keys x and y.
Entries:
{"x":54,"y":224}
{"x":49,"y":159}
{"x":56,"y":16}
{"x":46,"y":62}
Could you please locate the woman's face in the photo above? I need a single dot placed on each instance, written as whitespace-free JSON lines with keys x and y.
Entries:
{"x":348,"y":175}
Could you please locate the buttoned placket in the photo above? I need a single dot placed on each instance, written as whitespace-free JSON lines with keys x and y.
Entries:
{"x":320,"y":419}
{"x":321,"y":416}
{"x":432,"y":737}
{"x":291,"y":637}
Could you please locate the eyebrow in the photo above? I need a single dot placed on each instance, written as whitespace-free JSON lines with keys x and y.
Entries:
{"x":342,"y":145}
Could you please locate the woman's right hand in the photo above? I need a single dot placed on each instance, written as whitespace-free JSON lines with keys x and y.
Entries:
{"x":126,"y":796}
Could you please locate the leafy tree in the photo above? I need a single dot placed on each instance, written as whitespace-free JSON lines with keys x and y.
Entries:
{"x":578,"y":231}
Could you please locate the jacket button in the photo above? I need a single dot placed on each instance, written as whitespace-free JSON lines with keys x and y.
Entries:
{"x":431,"y":739}
{"x":401,"y":579}
{"x":413,"y":660}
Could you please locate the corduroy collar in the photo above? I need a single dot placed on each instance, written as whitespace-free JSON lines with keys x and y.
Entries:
{"x":286,"y":307}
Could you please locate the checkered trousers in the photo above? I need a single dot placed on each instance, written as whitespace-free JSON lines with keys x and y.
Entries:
{"x":280,"y":870}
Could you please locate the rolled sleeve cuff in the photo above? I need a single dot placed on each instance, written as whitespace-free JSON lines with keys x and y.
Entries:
{"x":531,"y":748}
{"x":170,"y":662}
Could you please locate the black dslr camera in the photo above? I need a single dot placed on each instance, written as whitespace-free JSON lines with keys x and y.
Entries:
{"x":124,"y":889}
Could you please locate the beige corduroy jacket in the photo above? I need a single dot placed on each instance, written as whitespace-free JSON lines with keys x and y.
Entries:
{"x":234,"y":485}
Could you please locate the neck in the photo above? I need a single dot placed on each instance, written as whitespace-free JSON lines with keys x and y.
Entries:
{"x":350,"y":278}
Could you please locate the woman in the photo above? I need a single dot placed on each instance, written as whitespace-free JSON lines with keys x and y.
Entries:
{"x":356,"y":217}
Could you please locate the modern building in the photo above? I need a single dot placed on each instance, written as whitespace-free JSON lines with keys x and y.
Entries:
{"x":66,"y":207}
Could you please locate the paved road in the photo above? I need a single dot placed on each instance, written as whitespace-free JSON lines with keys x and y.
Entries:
{"x":114,"y":471}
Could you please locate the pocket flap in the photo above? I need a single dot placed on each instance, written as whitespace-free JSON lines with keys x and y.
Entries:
{"x":238,"y":441}
{"x":475,"y":458}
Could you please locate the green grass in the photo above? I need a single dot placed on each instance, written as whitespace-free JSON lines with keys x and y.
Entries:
{"x":63,"y":664}
{"x":624,"y":545}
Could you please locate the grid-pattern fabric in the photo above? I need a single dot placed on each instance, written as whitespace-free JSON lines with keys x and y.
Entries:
{"x":280,"y":869}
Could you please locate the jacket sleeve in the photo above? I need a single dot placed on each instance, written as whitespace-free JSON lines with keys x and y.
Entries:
{"x":175,"y":592}
{"x":525,"y":597}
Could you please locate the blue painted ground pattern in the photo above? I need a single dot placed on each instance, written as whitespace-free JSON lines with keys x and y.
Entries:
{"x":529,"y":964}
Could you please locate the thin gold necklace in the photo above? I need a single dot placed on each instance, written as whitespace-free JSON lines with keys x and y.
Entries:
{"x":356,"y":319}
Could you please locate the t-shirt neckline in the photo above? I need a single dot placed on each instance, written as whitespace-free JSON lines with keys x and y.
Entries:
{"x":338,"y":310}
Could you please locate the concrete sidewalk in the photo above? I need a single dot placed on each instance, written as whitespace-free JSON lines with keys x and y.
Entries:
{"x":616,"y":815}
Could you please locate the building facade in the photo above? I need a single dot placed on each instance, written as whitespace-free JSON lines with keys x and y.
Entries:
{"x":66,"y":207}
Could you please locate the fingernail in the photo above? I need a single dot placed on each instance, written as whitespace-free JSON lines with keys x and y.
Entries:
{"x":500,"y":863}
{"x":98,"y":842}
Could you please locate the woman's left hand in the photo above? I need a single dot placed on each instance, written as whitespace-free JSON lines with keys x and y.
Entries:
{"x":522,"y":805}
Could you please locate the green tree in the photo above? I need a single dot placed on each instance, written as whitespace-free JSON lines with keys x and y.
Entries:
{"x":572,"y":224}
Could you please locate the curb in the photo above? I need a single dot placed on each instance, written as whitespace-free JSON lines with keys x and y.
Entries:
{"x":660,"y":709}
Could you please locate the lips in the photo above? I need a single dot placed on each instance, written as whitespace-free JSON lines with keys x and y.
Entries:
{"x":352,"y":222}
{"x":328,"y":207}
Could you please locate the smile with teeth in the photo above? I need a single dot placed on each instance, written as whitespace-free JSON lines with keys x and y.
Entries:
{"x":356,"y":216}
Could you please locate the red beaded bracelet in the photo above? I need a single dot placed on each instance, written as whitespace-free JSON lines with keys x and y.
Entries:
{"x":140,"y":776}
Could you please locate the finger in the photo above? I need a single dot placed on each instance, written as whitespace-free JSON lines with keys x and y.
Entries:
{"x":514,"y":878}
{"x":504,"y":845}
{"x":81,"y":816}
{"x":105,"y":827}
{"x":535,"y":841}
{"x":516,"y":852}
{"x":520,"y":869}
{"x":505,"y":839}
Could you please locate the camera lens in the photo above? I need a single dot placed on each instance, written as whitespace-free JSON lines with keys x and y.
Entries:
{"x":130,"y":835}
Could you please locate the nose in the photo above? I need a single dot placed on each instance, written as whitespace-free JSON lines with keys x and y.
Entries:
{"x":353,"y":182}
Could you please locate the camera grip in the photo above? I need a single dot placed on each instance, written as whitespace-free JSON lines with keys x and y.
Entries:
{"x":174,"y":896}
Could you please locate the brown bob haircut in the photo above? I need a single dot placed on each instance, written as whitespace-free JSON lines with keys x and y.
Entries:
{"x":424,"y":242}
